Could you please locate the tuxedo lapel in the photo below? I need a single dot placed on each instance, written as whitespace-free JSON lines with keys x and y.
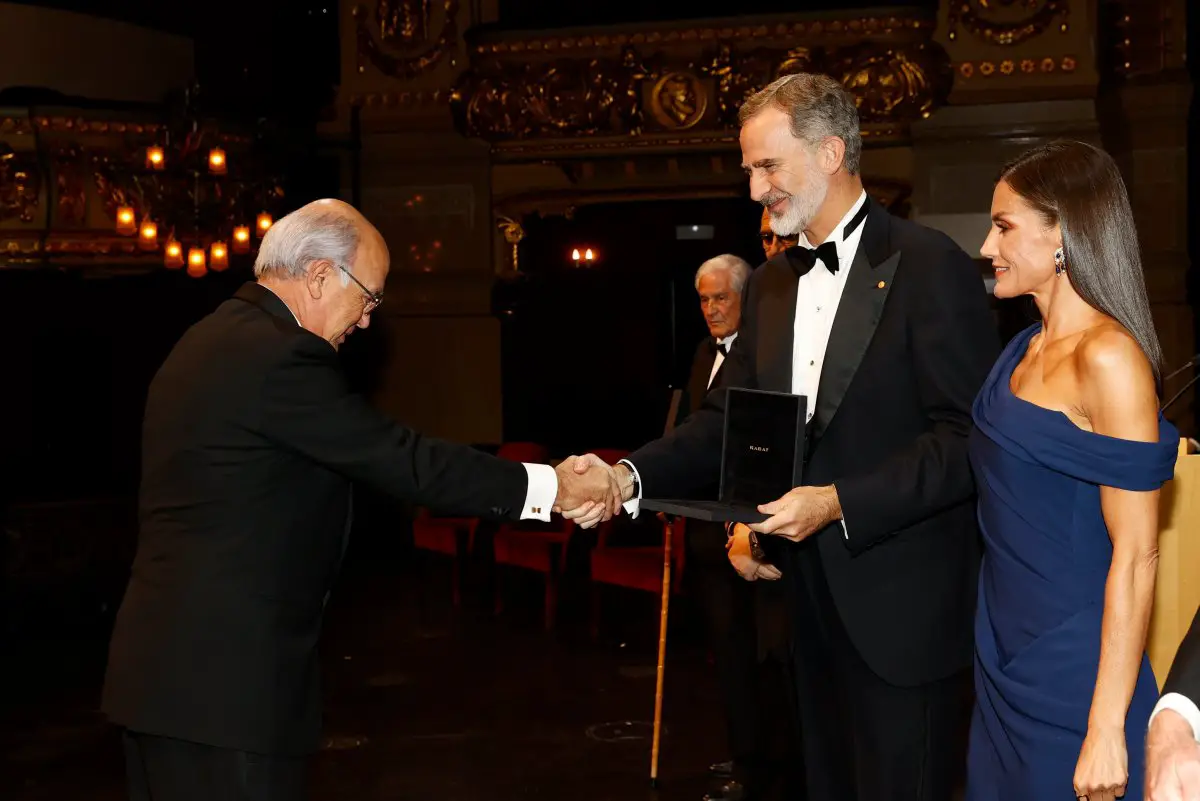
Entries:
{"x":858,"y":314}
{"x":776,"y":325}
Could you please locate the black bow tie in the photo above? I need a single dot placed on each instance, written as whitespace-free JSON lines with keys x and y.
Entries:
{"x":721,"y":346}
{"x":804,"y":259}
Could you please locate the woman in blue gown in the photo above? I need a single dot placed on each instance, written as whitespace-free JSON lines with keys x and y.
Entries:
{"x":1069,"y":452}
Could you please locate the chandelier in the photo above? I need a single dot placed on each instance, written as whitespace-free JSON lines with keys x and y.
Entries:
{"x":191,"y":192}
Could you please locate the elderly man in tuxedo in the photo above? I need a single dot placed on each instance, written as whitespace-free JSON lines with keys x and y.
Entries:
{"x":745,"y":621}
{"x":884,"y":326}
{"x":1173,"y":744}
{"x":251,"y":442}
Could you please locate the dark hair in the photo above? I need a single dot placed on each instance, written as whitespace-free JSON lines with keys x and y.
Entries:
{"x":1079,"y":187}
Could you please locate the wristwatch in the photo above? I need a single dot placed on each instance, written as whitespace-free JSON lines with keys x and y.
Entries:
{"x":756,"y":551}
{"x":633,"y":480}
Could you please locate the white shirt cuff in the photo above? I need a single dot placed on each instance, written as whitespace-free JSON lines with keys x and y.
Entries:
{"x":540,"y":493}
{"x":842,"y":520}
{"x":632,"y":505}
{"x":1182,"y":705}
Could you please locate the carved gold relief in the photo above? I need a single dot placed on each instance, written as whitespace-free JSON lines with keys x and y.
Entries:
{"x":678,"y":100}
{"x":1007,"y":22}
{"x":403,"y":21}
{"x":892,"y":84}
{"x":798,"y":29}
{"x":405,"y":26}
{"x":19,"y":186}
{"x":555,"y":98}
{"x":71,"y":187}
{"x":514,"y":98}
{"x":1007,"y":67}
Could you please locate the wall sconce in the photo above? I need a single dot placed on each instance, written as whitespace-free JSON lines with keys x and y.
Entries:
{"x":263,"y":224}
{"x":148,"y":235}
{"x":196,"y":266}
{"x":585,"y":260}
{"x":126,"y":221}
{"x":241,"y":239}
{"x":218,"y":256}
{"x":216,"y":161}
{"x":173,"y":254}
{"x":155,"y":158}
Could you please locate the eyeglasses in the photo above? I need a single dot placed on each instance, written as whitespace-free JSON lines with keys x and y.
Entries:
{"x":373,"y":298}
{"x":769,"y":237}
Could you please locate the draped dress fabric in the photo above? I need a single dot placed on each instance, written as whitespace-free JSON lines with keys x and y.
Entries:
{"x":1041,"y":592}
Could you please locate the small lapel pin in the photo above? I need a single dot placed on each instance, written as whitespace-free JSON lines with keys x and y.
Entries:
{"x":880,"y":285}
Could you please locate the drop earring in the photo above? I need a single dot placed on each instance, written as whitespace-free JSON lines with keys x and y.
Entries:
{"x":1060,"y":262}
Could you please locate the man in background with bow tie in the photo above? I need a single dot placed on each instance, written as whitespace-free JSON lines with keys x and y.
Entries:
{"x":884,"y":326}
{"x":745,"y":621}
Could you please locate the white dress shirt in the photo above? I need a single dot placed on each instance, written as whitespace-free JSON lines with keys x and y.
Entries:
{"x":717,"y":362}
{"x":542,"y":486}
{"x":1185,"y":706}
{"x":818,"y":293}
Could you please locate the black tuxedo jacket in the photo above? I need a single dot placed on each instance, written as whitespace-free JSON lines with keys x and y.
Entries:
{"x":698,"y":387}
{"x":911,"y":344}
{"x":1184,"y":677}
{"x":250,"y":443}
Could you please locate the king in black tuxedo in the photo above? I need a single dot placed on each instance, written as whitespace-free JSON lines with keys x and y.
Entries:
{"x":886,"y":327}
{"x":250,"y":443}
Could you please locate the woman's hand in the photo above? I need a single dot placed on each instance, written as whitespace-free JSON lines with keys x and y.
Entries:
{"x":1103,"y":768}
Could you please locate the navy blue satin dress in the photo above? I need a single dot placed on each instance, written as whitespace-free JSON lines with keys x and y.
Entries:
{"x":1041,"y":591}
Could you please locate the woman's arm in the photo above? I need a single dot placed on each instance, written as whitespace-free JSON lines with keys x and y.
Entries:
{"x":1118,"y":396}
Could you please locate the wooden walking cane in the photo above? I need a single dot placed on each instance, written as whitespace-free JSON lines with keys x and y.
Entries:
{"x":662,"y":651}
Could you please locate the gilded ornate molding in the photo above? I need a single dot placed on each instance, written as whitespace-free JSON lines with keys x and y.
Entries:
{"x":640,"y":92}
{"x":1007,"y":22}
{"x":22,"y":126}
{"x":20,"y":185}
{"x":404,"y":48}
{"x":1009,"y":67}
{"x":850,"y":29}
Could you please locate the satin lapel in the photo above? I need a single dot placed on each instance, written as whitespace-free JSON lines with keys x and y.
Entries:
{"x":775,"y":325}
{"x":858,"y":315}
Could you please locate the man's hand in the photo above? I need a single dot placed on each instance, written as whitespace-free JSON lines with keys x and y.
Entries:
{"x":588,"y":491}
{"x":1172,"y":759}
{"x":746,"y":566}
{"x":801,"y":513}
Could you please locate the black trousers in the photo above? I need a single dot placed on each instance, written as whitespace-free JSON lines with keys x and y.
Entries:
{"x":755,"y":688}
{"x":166,"y":769}
{"x":863,"y":738}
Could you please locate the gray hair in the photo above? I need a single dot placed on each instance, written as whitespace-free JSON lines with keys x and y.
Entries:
{"x":817,"y":106}
{"x":738,"y":269}
{"x":311,"y":233}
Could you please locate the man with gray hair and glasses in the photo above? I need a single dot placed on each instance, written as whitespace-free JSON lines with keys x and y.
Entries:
{"x":251,"y":441}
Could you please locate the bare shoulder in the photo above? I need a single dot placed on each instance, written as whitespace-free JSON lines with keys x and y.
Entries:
{"x":1110,"y":354}
{"x":1116,"y":383}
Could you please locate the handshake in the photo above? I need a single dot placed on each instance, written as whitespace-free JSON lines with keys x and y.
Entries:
{"x":590,"y":491}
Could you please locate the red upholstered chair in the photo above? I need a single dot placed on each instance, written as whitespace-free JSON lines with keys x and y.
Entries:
{"x":532,"y":544}
{"x":452,"y":536}
{"x":637,"y":567}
